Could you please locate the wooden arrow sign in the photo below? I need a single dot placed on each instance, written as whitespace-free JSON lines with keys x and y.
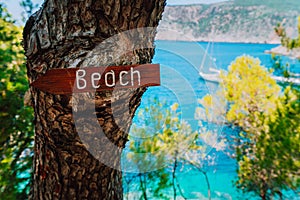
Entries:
{"x":91,"y":79}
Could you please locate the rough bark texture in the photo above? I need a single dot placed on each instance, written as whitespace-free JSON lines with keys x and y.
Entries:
{"x":63,"y":34}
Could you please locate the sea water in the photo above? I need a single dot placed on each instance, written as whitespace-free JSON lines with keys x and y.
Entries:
{"x":181,"y":83}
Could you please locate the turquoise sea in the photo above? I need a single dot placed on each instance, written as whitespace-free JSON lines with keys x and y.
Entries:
{"x":181,"y":83}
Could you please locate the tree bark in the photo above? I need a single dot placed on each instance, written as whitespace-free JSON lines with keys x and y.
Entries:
{"x":63,"y":34}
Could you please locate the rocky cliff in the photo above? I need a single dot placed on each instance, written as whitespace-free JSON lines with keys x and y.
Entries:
{"x":227,"y":22}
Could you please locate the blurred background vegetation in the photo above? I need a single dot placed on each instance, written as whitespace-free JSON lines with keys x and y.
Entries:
{"x":16,"y":119}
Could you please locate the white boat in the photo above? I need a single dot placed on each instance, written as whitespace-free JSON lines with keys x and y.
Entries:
{"x":213,"y":77}
{"x":281,"y":79}
{"x":212,"y":74}
{"x":293,"y":54}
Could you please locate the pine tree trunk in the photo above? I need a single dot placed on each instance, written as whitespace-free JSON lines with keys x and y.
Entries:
{"x":61,"y":35}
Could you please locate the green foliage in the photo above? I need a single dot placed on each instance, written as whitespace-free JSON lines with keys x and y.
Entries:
{"x":164,"y":140}
{"x":250,"y":90}
{"x":160,"y":144}
{"x":279,"y":67}
{"x":16,"y":133}
{"x":28,"y":7}
{"x":146,"y":156}
{"x":286,"y":41}
{"x":268,"y":148}
{"x":269,"y":144}
{"x":272,"y":163}
{"x":158,"y":147}
{"x":293,"y":46}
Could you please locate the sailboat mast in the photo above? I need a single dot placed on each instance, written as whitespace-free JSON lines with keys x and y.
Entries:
{"x":204,"y":57}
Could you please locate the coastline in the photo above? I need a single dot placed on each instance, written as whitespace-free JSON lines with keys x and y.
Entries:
{"x":216,"y":41}
{"x":168,"y":34}
{"x":175,"y":35}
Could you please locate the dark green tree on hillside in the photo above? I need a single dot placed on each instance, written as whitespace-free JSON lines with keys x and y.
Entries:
{"x":16,"y":130}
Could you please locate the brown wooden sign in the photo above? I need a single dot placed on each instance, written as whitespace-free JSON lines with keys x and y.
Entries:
{"x":91,"y":79}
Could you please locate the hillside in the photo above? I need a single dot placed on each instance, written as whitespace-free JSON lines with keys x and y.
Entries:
{"x":234,"y":21}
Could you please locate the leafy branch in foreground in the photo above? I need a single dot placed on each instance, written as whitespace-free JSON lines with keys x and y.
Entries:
{"x":267,"y":148}
{"x":162,"y":145}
